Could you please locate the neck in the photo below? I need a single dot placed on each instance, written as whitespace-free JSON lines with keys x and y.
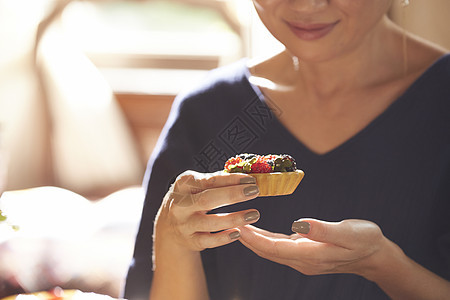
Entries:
{"x":365,"y":66}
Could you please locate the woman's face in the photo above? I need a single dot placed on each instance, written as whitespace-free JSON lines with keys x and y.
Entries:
{"x":318,"y":30}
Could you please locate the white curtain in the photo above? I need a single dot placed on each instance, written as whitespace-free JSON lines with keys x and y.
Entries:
{"x":61,"y":124}
{"x":92,"y":146}
{"x":23,"y":134}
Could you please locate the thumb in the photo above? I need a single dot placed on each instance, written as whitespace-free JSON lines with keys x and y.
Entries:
{"x":320,"y":231}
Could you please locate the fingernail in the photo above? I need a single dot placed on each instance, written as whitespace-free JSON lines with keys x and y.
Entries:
{"x":251,"y":190}
{"x":301,"y":227}
{"x":247,"y":180}
{"x":234,"y":235}
{"x":251,"y":216}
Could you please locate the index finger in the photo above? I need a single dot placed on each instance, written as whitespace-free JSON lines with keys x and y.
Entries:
{"x":268,"y":246}
{"x":216,"y":197}
{"x":348,"y":234}
{"x":195,"y":182}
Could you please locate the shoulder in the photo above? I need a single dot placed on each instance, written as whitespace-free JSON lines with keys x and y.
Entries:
{"x":422,"y":54}
{"x":427,"y":66}
{"x":228,"y":78}
{"x":222,"y":90}
{"x":437,"y":75}
{"x":430,"y":94}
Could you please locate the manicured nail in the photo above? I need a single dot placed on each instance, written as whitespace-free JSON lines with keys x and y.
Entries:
{"x":251,"y":216}
{"x":251,"y":190}
{"x":234,"y":235}
{"x":247,"y":180}
{"x":301,"y":227}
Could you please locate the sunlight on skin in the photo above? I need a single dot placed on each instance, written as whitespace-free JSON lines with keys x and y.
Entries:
{"x":268,"y":84}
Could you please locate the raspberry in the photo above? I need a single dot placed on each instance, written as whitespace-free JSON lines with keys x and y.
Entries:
{"x":261,"y":167}
{"x":270,"y":157}
{"x":232,"y":162}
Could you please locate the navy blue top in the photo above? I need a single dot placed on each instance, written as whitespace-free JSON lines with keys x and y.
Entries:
{"x":395,"y":172}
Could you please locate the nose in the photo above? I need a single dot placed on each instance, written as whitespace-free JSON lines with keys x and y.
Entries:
{"x":308,"y":5}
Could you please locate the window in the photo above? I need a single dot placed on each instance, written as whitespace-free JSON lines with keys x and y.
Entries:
{"x":157,"y":46}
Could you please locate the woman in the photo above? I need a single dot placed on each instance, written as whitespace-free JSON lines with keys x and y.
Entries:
{"x":363,"y":107}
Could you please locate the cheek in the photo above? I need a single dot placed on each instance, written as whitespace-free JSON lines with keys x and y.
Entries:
{"x":351,"y":5}
{"x":361,"y":15}
{"x":265,"y":4}
{"x":362,"y":7}
{"x":267,"y":12}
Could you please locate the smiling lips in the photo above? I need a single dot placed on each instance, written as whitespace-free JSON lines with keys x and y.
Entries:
{"x":310,"y":32}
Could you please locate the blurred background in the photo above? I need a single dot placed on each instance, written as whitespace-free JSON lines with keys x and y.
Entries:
{"x":85,"y":88}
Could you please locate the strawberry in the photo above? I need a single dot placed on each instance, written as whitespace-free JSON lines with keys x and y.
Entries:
{"x":261,"y":166}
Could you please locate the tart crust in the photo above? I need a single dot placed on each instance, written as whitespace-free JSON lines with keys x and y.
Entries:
{"x":278,"y":183}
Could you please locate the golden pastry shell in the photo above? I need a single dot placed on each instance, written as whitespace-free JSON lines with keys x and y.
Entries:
{"x":278,"y":183}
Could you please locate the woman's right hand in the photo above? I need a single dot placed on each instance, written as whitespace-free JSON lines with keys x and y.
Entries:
{"x":182,"y":219}
{"x":183,"y":228}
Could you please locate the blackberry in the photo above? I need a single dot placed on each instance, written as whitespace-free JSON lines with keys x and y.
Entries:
{"x":293,"y":166}
{"x":278,"y":165}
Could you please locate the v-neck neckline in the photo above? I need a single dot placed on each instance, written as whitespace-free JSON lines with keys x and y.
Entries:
{"x":392,"y":108}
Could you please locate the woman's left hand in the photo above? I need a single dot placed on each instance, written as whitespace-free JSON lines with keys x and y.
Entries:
{"x":349,"y":246}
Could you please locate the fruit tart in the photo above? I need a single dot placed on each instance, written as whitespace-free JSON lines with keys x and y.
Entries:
{"x":275,"y":174}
